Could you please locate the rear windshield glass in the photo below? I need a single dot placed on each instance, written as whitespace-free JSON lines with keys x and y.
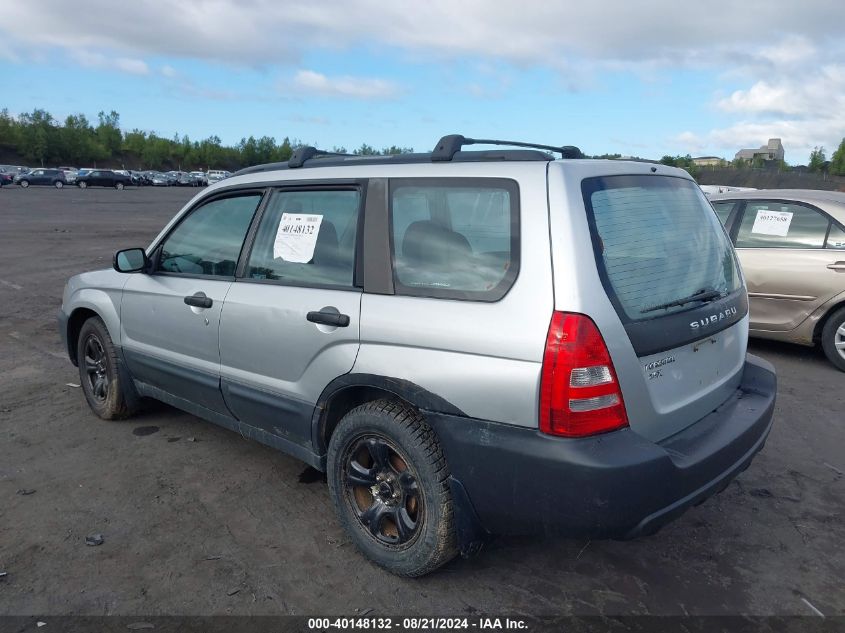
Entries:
{"x":657,"y":243}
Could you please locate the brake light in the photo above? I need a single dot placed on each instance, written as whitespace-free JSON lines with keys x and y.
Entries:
{"x":579,"y":392}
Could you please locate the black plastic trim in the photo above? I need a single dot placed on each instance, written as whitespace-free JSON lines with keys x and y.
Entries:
{"x":404,"y":389}
{"x":507,"y":282}
{"x":451,"y":144}
{"x":614,"y":485}
{"x":277,"y":414}
{"x":194,"y":385}
{"x":375,"y":260}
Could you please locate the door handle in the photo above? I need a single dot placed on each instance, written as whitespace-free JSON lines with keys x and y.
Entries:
{"x":328,"y":318}
{"x":837,"y":266}
{"x":198,"y":300}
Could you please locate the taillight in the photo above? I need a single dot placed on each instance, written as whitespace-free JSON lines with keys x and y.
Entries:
{"x":579,"y":391}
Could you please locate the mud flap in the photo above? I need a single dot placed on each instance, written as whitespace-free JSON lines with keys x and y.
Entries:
{"x":470,"y":535}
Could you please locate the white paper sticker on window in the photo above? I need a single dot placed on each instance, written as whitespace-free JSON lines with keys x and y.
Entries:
{"x":297,"y":237}
{"x":772,"y":223}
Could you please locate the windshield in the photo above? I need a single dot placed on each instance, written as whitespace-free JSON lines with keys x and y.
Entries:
{"x":660,"y":248}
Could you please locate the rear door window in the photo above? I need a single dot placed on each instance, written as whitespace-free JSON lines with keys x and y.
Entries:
{"x":836,"y":237}
{"x":455,"y":238}
{"x":776,"y":224}
{"x":657,"y":243}
{"x":307,"y":238}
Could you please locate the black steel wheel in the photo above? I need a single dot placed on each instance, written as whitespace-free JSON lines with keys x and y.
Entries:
{"x":98,"y":371}
{"x":382,"y":491}
{"x":388,"y":479}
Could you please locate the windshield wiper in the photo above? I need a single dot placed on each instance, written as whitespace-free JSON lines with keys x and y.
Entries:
{"x":699,"y":295}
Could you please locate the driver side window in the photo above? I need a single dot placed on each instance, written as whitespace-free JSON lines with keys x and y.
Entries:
{"x":209,"y":240}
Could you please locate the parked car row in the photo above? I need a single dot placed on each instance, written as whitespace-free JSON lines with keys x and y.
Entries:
{"x":118,"y":178}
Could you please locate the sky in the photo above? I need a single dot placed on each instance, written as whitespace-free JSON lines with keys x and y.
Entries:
{"x":644,"y":78}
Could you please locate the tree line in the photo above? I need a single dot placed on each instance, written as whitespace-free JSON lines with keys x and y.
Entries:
{"x":39,"y":139}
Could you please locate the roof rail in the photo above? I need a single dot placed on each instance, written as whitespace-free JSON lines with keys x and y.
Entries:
{"x":450,"y":145}
{"x":301,"y":154}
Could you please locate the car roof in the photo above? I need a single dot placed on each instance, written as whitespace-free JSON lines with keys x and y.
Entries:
{"x":832,"y":202}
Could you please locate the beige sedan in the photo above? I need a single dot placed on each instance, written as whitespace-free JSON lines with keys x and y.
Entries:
{"x":791,"y":245}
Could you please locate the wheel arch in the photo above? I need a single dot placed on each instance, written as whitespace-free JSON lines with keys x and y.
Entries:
{"x":351,"y":390}
{"x":74,"y":325}
{"x":817,"y":330}
{"x":87,"y":303}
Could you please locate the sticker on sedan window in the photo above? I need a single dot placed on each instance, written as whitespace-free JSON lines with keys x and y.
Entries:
{"x":772,"y":223}
{"x":296,"y":237}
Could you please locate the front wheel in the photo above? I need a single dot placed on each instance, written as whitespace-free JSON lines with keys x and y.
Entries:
{"x":98,"y":371}
{"x":59,"y":184}
{"x":388,"y":479}
{"x":118,"y":185}
{"x":833,"y":338}
{"x":24,"y":183}
{"x":82,"y":185}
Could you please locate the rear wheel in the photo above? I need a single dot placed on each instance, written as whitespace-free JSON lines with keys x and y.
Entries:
{"x":833,"y":338}
{"x":388,"y":480}
{"x":59,"y":184}
{"x":118,"y":185}
{"x":82,"y":184}
{"x":24,"y":183}
{"x":98,"y":371}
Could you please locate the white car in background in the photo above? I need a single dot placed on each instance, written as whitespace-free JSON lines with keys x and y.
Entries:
{"x":216,"y":175}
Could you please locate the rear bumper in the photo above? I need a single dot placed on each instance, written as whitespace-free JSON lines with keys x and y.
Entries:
{"x":619,"y":484}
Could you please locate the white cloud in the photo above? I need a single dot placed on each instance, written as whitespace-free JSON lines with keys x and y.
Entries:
{"x":261,"y":32}
{"x":105,"y":62}
{"x":782,"y":61}
{"x":311,"y":82}
{"x":168,"y":71}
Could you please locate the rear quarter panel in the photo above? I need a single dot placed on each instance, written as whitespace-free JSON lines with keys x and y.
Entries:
{"x":484,"y":358}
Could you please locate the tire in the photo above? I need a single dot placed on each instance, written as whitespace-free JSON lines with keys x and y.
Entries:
{"x":24,"y":183}
{"x":400,"y":512}
{"x":59,"y":184}
{"x":98,"y":371}
{"x":82,"y":185}
{"x":833,"y":338}
{"x":119,"y":186}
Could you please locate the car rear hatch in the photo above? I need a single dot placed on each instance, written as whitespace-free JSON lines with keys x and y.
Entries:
{"x":642,"y":253}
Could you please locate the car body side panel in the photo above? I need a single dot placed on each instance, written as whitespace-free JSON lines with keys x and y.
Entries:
{"x":786,"y":285}
{"x":484,"y":358}
{"x":804,"y":332}
{"x":274,"y":362}
{"x":99,"y":291}
{"x":169,"y":344}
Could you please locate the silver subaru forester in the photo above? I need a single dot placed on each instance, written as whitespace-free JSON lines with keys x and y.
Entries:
{"x":466,"y":342}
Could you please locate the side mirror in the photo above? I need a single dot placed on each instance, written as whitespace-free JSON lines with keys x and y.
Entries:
{"x":130,"y":260}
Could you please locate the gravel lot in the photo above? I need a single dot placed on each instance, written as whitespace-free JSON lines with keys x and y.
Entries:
{"x":222,"y":525}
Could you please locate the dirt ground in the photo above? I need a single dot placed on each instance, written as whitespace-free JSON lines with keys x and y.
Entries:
{"x":198,"y":521}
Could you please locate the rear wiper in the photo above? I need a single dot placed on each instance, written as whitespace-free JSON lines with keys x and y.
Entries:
{"x":699,"y":295}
